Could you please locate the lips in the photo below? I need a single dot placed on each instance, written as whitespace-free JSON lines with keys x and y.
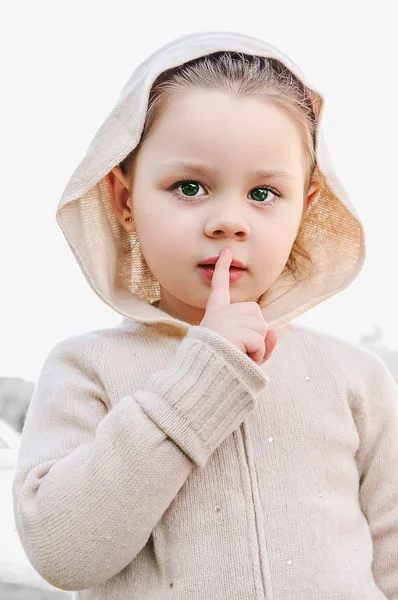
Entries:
{"x":235,"y":273}
{"x":210,"y":262}
{"x":211,"y":267}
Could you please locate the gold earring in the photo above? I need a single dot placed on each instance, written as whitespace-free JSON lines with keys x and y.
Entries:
{"x":128,"y":219}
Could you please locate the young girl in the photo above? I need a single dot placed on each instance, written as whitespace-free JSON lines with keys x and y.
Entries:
{"x":207,"y":447}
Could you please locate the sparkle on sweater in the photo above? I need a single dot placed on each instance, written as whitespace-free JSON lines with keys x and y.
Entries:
{"x":140,"y":462}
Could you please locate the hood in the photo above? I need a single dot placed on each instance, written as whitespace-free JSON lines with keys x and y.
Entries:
{"x":111,"y":258}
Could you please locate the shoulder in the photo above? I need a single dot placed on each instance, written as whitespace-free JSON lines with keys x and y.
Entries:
{"x":88,"y":347}
{"x":360,"y":375}
{"x":356,"y":362}
{"x":79,"y":346}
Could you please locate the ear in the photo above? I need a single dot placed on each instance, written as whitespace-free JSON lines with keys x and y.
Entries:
{"x":312,"y":194}
{"x":120,"y":197}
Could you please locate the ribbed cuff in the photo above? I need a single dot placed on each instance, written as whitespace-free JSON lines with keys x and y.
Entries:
{"x":204,"y":395}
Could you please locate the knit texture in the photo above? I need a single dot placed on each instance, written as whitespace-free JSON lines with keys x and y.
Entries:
{"x":158,"y":467}
{"x":112,"y":259}
{"x":159,"y":462}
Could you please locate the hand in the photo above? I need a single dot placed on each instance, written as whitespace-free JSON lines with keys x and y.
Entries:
{"x":241,"y":323}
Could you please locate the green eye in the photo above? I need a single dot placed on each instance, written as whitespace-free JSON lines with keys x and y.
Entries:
{"x":187,"y":188}
{"x":190,"y":188}
{"x":259,"y":194}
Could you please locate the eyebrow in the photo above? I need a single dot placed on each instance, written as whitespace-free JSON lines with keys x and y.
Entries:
{"x":198,"y":168}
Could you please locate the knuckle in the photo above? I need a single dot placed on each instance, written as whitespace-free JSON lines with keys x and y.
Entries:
{"x":258,"y":340}
{"x":257,"y":311}
{"x":253,"y":307}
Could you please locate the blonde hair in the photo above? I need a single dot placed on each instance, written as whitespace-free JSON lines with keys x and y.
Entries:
{"x":241,"y":75}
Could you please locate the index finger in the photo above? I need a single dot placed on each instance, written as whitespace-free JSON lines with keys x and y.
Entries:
{"x":219,"y":296}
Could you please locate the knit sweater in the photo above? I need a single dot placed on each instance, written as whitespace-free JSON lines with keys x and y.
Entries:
{"x":156,"y":465}
{"x":159,"y":462}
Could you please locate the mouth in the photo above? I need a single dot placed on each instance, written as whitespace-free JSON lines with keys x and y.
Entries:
{"x":210,"y":262}
{"x":236,"y":270}
{"x":212,"y":267}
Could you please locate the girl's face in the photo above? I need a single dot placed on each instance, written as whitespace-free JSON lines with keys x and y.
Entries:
{"x":245,"y":167}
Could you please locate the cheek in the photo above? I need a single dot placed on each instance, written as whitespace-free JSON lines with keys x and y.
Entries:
{"x":162,"y":232}
{"x":276,"y":236}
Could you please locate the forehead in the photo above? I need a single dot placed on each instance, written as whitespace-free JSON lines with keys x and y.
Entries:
{"x":217,"y":127}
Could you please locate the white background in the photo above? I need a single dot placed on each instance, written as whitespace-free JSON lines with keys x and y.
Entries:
{"x":63,"y":67}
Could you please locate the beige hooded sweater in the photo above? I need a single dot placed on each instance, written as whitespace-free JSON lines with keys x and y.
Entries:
{"x":159,"y":462}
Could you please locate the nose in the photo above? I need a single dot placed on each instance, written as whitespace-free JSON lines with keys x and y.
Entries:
{"x":227,"y":222}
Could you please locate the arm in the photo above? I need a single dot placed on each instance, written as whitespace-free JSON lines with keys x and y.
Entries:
{"x":92,"y":483}
{"x":377,"y":460}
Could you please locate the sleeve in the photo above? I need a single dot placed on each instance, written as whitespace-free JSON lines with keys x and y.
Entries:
{"x":92,"y":482}
{"x":377,"y":460}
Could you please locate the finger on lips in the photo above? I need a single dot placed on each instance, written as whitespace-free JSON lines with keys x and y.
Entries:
{"x":220,"y":296}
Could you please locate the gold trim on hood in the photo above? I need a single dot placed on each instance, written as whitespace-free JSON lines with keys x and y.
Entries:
{"x":111,"y":259}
